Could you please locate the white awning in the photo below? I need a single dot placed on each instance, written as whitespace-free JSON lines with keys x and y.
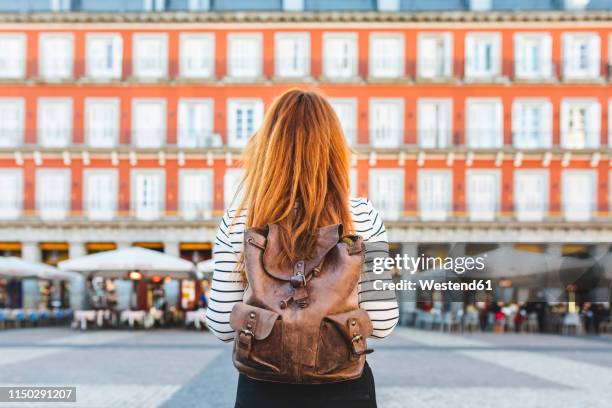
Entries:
{"x":119,"y":262}
{"x":14,"y":267}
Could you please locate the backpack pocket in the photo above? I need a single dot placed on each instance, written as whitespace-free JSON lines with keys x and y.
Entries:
{"x":259,"y":333}
{"x":342,"y":341}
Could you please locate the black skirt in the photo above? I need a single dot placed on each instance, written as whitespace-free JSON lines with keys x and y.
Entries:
{"x":358,"y":393}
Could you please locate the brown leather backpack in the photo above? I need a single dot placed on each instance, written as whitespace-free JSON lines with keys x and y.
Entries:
{"x":301,"y":324}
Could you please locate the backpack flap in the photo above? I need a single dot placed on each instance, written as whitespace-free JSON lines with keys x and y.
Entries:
{"x":355,"y":326}
{"x":252,"y":320}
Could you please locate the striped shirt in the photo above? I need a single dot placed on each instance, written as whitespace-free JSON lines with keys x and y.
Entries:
{"x":227,"y":288}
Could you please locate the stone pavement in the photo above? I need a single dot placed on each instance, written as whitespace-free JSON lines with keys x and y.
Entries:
{"x":413,"y":368}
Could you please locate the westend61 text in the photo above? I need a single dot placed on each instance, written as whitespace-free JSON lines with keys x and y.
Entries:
{"x":431,"y":284}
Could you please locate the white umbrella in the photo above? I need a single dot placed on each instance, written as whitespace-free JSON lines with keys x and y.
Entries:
{"x":119,"y":262}
{"x":207,"y":266}
{"x":14,"y":267}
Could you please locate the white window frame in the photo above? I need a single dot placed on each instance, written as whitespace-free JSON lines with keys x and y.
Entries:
{"x":396,"y":138}
{"x":545,"y":55}
{"x":18,"y":59}
{"x":474,"y":209}
{"x":473,"y":72}
{"x":12,"y":210}
{"x":53,"y":213}
{"x":497,"y":128}
{"x":94,"y":71}
{"x":352,"y":71}
{"x":154,"y":5}
{"x":137,"y":140}
{"x":594,"y":59}
{"x":423,"y":138}
{"x":349,"y":129}
{"x":13,"y":137}
{"x":531,"y":214}
{"x":520,"y":136}
{"x":592,"y":122}
{"x":146,"y":73}
{"x":154,"y":214}
{"x":233,"y":139}
{"x":108,"y":211}
{"x":570,"y":214}
{"x":184,"y":138}
{"x":392,"y":66}
{"x":42,"y":138}
{"x":199,"y":210}
{"x":44,"y":54}
{"x":231,"y":184}
{"x":446,"y":208}
{"x":395,"y":210}
{"x":235,"y":69}
{"x":353,"y":183}
{"x":205,"y":70}
{"x":280,"y":68}
{"x":91,"y":129}
{"x":423,"y":63}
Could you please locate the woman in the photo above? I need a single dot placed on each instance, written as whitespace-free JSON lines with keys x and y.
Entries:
{"x":297,"y":176}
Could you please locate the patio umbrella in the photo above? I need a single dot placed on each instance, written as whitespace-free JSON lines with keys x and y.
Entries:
{"x":205,"y":268}
{"x":14,"y":267}
{"x":119,"y":262}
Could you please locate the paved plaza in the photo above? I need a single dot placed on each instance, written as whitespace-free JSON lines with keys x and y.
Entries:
{"x":413,"y":368}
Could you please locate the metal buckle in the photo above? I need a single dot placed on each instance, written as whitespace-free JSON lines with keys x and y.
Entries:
{"x":356,"y":338}
{"x":247,"y":332}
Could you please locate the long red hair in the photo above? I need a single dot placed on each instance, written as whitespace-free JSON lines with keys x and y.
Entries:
{"x":296,"y":173}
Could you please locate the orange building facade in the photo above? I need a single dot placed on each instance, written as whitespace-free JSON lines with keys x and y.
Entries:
{"x":482,"y":128}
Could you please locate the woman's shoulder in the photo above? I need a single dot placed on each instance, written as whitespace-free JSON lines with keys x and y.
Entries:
{"x":359,"y":204}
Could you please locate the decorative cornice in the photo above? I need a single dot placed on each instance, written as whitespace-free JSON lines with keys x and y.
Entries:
{"x":308,"y":17}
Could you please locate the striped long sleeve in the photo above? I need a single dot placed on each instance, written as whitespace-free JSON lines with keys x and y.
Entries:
{"x":227,"y":288}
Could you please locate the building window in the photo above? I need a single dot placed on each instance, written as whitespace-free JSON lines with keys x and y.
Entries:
{"x":484,"y":125}
{"x":148,"y":122}
{"x":196,"y":193}
{"x":148,"y":194}
{"x":100,"y":194}
{"x":244,"y":55}
{"x":11,"y":185}
{"x":59,"y":5}
{"x":150,"y":55}
{"x":580,"y":123}
{"x":195,"y":123}
{"x":56,"y":56}
{"x":154,"y":5}
{"x":340,"y":55}
{"x":11,"y":122}
{"x":199,"y":5}
{"x":386,"y":122}
{"x":435,"y":122}
{"x":346,"y":110}
{"x":482,"y":194}
{"x":197,"y":55}
{"x":292,"y":55}
{"x":581,"y":54}
{"x":530,"y":195}
{"x":54,"y":122}
{"x":244,"y":117}
{"x":435,"y":55}
{"x":353,"y":183}
{"x":532,"y":55}
{"x":435,"y":194}
{"x":53,"y":193}
{"x":578,"y":194}
{"x":104,"y":56}
{"x":386,"y":55}
{"x":102,"y":122}
{"x":386,"y":191}
{"x":482,"y":55}
{"x":531,"y":123}
{"x":232,"y":196}
{"x":12,"y":55}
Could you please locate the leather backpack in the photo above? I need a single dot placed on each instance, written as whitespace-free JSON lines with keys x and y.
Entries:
{"x":301,"y":324}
